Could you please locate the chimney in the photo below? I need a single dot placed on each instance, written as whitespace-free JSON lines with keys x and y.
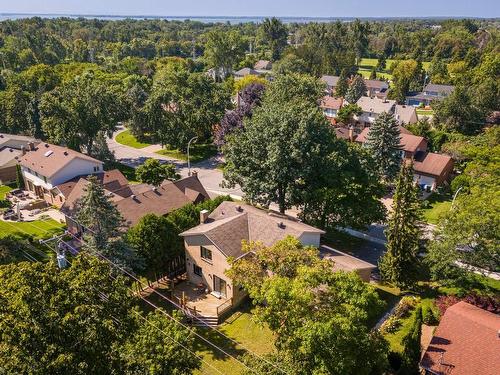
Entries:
{"x":203,"y":216}
{"x":239,"y":208}
{"x":351,"y":133}
{"x":194,"y":173}
{"x":23,"y":150}
{"x":31,"y":146}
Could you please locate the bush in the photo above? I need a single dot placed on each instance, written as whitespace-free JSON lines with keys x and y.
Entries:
{"x":406,"y":304}
{"x":395,"y":360}
{"x":428,"y":316}
{"x":391,"y":325}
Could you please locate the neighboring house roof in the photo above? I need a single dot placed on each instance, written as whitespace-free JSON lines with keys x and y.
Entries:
{"x":405,"y":114}
{"x":8,"y":156}
{"x":330,"y":102}
{"x":16,"y":141}
{"x":465,"y":342}
{"x":376,"y":84}
{"x":246,"y":71}
{"x":343,"y":132}
{"x":343,"y":261}
{"x":135,"y":201}
{"x":330,"y":80}
{"x":263,"y":65}
{"x":444,"y":89}
{"x":409,"y":142}
{"x":48,"y":159}
{"x":375,"y":105}
{"x":431,"y":163}
{"x":232,"y":222}
{"x":112,"y":181}
{"x":169,"y":196}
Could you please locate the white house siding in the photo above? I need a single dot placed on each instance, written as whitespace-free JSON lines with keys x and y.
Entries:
{"x":37,"y":180}
{"x":425,"y":180}
{"x":310,"y":239}
{"x":75,"y":168}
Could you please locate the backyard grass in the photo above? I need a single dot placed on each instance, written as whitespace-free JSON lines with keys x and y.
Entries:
{"x":4,"y":189}
{"x":126,"y":138}
{"x":197,"y":152}
{"x":425,"y":112}
{"x":439,"y":204}
{"x":241,"y":328}
{"x":37,"y":229}
{"x":366,"y":74}
{"x":367,"y":64}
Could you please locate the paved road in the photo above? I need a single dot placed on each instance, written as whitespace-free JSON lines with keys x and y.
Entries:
{"x":209,"y":175}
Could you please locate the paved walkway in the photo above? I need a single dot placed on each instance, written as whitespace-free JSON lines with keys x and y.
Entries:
{"x":209,"y":175}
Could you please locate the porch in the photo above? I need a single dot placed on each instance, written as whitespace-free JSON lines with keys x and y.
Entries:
{"x":199,"y":301}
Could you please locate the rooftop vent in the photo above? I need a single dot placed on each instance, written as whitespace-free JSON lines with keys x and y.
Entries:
{"x":281,"y":225}
{"x":239,"y":208}
{"x":1,"y":135}
{"x":133,"y":196}
{"x":48,"y":153}
{"x":65,"y":153}
{"x":47,"y":145}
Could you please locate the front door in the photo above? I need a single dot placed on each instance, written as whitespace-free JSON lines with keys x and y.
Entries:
{"x":220,"y":286}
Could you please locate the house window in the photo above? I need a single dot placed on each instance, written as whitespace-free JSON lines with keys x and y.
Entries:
{"x":45,"y":179}
{"x":96,"y":169}
{"x":206,"y":254}
{"x":197,"y":270}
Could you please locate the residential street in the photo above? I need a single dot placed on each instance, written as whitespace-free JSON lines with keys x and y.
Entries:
{"x":209,"y":175}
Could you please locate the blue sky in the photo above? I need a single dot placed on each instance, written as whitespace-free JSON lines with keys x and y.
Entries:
{"x":300,"y":8}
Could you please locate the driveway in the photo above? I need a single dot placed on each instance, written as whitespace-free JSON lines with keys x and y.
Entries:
{"x":209,"y":175}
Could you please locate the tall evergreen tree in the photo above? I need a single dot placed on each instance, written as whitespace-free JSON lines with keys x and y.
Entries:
{"x":342,"y":84}
{"x":383,"y":141}
{"x":356,"y":90}
{"x":96,"y":212}
{"x":400,"y":264}
{"x":412,"y":348}
{"x":19,"y":177}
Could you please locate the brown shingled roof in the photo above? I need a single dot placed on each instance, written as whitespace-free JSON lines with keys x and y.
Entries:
{"x":48,"y":159}
{"x":232,"y":222}
{"x":112,"y":180}
{"x":409,"y":142}
{"x":330,"y":102}
{"x":465,"y":342}
{"x":431,"y":163}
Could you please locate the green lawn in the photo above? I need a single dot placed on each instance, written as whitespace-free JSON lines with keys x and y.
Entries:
{"x":366,"y":64}
{"x":366,"y":74}
{"x":241,"y":328}
{"x":126,"y":138}
{"x":4,"y":189}
{"x":197,"y":152}
{"x":425,"y":112}
{"x":439,"y":204}
{"x":37,"y":229}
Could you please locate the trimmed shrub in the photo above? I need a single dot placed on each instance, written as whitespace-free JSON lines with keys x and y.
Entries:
{"x":428,"y":316}
{"x":391,"y":325}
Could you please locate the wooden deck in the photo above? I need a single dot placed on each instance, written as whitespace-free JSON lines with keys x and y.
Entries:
{"x":205,"y":303}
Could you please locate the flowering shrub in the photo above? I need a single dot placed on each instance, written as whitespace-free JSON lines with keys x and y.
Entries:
{"x":491,"y":304}
{"x":390,"y":325}
{"x":406,"y":304}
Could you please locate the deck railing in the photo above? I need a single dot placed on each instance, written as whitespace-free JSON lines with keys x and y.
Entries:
{"x":222,"y":308}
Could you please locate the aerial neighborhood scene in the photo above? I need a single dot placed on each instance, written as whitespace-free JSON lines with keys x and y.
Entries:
{"x":266,"y":187}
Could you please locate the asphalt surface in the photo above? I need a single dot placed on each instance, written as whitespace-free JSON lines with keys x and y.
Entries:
{"x":209,"y":175}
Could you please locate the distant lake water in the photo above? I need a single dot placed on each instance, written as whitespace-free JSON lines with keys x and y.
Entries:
{"x":218,"y":19}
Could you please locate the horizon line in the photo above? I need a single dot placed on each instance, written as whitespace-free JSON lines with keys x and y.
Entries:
{"x":237,"y":16}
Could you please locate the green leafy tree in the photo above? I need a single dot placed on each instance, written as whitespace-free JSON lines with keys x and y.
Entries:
{"x":11,"y":250}
{"x":223,"y":50}
{"x":183,"y":105}
{"x":14,"y":104}
{"x":381,"y":63}
{"x":438,"y":71}
{"x":412,"y":348}
{"x":384,"y":143}
{"x":347,"y":112}
{"x":76,"y":112}
{"x":400,"y":264}
{"x":342,"y":83}
{"x":294,"y":87}
{"x":156,"y":240}
{"x":81,"y":322}
{"x":356,"y":90}
{"x":274,"y":35}
{"x":408,"y":76}
{"x":154,"y":173}
{"x":311,"y":308}
{"x":280,"y":152}
{"x":150,"y":351}
{"x":373,"y":73}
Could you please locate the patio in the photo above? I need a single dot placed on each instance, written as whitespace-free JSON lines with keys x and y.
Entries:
{"x":31,"y":208}
{"x":196,"y":298}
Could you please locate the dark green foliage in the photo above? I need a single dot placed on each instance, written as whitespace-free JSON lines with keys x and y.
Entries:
{"x":412,"y":348}
{"x":82,"y":321}
{"x":428,"y":316}
{"x":356,"y":90}
{"x":342,"y":83}
{"x":153,"y":172}
{"x":274,"y":34}
{"x":400,"y":264}
{"x":11,"y":250}
{"x":383,"y":142}
{"x":19,"y":178}
{"x":157,"y":241}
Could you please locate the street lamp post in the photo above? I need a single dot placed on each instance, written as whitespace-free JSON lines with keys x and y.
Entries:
{"x":189,"y":144}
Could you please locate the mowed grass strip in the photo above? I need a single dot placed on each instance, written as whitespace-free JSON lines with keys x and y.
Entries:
{"x":126,"y":138}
